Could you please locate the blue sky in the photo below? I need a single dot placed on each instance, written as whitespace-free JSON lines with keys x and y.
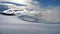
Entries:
{"x":46,"y":3}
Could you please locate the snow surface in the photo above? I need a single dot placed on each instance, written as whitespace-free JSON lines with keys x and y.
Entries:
{"x":14,"y":25}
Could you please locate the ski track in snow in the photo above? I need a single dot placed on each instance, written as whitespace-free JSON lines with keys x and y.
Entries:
{"x":13,"y":25}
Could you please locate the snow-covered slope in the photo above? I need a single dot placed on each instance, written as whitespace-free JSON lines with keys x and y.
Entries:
{"x":13,"y":25}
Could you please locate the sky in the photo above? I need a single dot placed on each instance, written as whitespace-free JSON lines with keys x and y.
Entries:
{"x":49,"y":9}
{"x":42,"y":3}
{"x":46,"y":3}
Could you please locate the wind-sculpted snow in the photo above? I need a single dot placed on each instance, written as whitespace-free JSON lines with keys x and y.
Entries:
{"x":28,"y":18}
{"x":35,"y":19}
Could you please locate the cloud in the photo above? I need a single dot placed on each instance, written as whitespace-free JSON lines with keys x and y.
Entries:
{"x":50,"y":13}
{"x":17,"y":1}
{"x":53,"y":13}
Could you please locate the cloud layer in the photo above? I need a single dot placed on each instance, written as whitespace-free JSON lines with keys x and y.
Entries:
{"x":50,"y":13}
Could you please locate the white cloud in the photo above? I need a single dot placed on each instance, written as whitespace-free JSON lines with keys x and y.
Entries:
{"x":51,"y":14}
{"x":54,"y":14}
{"x":17,"y":1}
